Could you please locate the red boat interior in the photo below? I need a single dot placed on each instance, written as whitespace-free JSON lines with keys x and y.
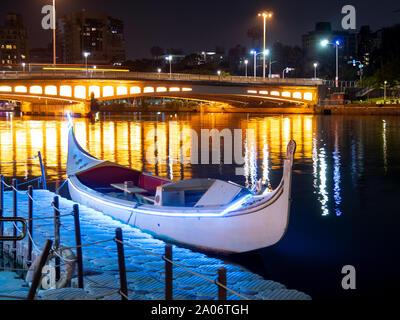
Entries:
{"x":101,"y":178}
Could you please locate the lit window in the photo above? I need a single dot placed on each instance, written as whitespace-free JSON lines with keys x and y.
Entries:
{"x":251,"y":91}
{"x":263,"y":92}
{"x":108,"y":91}
{"x":21,"y":89}
{"x":66,"y":91}
{"x":286,"y":94}
{"x":122,"y":91}
{"x":308,"y":96}
{"x":148,"y":89}
{"x":50,"y":90}
{"x":186,"y":89}
{"x":36,"y":90}
{"x":80,"y":92}
{"x":161,"y":89}
{"x":275,"y":93}
{"x":174,"y":89}
{"x":95,"y":90}
{"x":135,"y":90}
{"x":297,"y":95}
{"x":5,"y":89}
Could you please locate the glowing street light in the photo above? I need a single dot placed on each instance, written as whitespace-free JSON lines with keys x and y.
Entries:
{"x":169,"y":58}
{"x":246,"y":62}
{"x":286,"y":70}
{"x":255,"y":54}
{"x":86,"y":55}
{"x":266,"y":15}
{"x":23,"y":66}
{"x":315,"y":69}
{"x":336,"y":44}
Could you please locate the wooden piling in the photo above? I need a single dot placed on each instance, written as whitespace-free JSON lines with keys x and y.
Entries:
{"x":57,"y":187}
{"x":15,"y":215}
{"x":222,"y":280}
{"x":168,"y":273}
{"x":38,"y":272}
{"x":78,"y":242}
{"x":121,"y":264}
{"x":30,"y":224}
{"x":57,"y":235}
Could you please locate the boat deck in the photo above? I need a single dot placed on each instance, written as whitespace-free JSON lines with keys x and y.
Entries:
{"x":145,"y":272}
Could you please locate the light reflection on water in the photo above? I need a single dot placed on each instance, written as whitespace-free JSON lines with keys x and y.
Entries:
{"x":345,"y":182}
{"x":166,"y":143}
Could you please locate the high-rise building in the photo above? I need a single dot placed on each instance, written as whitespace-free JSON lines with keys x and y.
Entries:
{"x":96,"y":33}
{"x":13,"y":40}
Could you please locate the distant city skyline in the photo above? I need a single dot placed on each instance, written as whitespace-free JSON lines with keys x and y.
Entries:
{"x":196,"y":26}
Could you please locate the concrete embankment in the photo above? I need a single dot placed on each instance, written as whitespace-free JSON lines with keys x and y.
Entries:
{"x":357,"y":109}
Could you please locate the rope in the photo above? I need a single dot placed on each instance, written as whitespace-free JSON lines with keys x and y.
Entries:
{"x":188,"y":270}
{"x":88,"y":244}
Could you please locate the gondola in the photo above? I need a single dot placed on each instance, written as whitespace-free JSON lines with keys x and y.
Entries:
{"x":208,"y":214}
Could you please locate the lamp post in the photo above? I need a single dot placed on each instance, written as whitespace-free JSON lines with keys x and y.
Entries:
{"x":169,"y":58}
{"x":286,"y":70}
{"x":265,"y":15}
{"x":23,"y":66}
{"x":315,"y":69}
{"x":384,"y":92}
{"x":86,"y":55}
{"x":255,"y":54}
{"x":246,"y":62}
{"x":336,"y":44}
{"x":54,"y":33}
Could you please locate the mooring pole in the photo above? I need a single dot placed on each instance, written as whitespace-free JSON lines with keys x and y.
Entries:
{"x":121,"y":264}
{"x":15,"y":215}
{"x":38,"y":272}
{"x":57,"y":235}
{"x":168,"y":272}
{"x":30,"y":223}
{"x":222,"y":280}
{"x":78,"y":242}
{"x":44,"y":185}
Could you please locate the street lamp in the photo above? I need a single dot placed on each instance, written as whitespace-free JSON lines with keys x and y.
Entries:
{"x":54,"y":33}
{"x":265,"y":15}
{"x":286,"y":70}
{"x":315,"y":69}
{"x":255,"y":54}
{"x":219,"y":74}
{"x":169,"y":58}
{"x":23,"y":66}
{"x":86,"y":55}
{"x":384,"y":92}
{"x":336,"y":44}
{"x":246,"y":62}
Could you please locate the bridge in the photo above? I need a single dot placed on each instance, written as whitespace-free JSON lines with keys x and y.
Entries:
{"x":54,"y":92}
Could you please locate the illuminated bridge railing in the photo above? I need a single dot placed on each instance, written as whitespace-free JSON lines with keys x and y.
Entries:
{"x":93,"y":74}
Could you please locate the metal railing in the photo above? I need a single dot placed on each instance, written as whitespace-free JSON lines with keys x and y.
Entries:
{"x":56,"y":74}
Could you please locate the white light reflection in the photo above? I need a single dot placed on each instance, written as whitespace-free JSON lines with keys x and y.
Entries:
{"x":385,"y":163}
{"x":322,"y":185}
{"x":336,"y":175}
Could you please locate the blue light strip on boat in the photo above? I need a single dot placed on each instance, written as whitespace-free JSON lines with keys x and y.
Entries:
{"x":233,"y":207}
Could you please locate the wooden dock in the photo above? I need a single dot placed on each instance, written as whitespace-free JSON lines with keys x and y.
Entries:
{"x":144,"y":259}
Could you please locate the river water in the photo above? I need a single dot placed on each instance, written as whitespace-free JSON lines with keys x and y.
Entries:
{"x":345,"y":183}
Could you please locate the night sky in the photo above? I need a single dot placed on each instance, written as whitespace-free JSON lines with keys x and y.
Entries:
{"x":202,"y":24}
